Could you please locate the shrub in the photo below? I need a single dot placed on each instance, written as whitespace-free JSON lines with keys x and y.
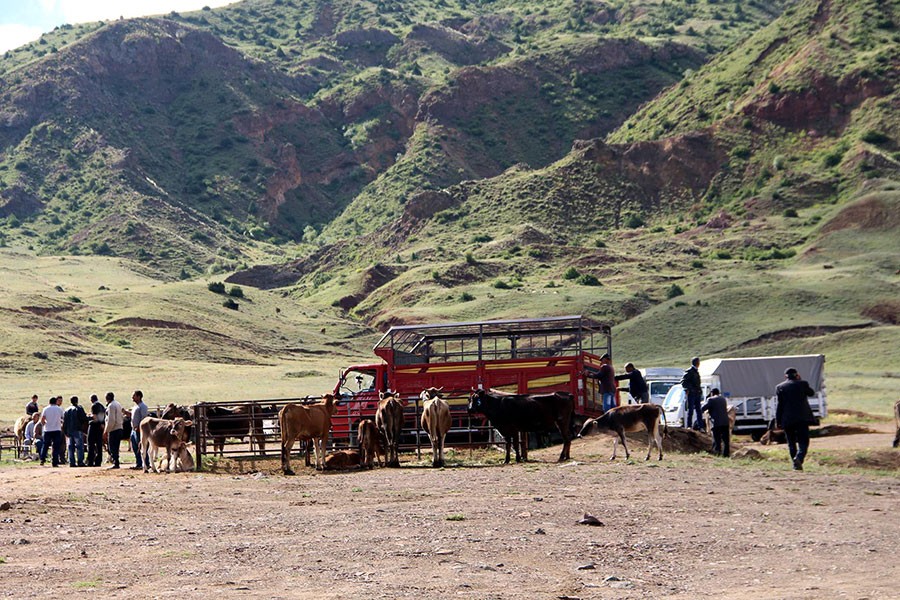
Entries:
{"x":571,"y":273}
{"x":216,"y":287}
{"x":634,"y":221}
{"x":481,"y":238}
{"x":588,"y":279}
{"x":790,"y":213}
{"x":874,"y":137}
{"x":74,"y":299}
{"x":722,"y":254}
{"x":674,"y":291}
{"x":236,"y":292}
{"x":598,"y":243}
{"x":470,"y":259}
{"x":466,"y":297}
{"x":740,"y":152}
{"x":229,"y":303}
{"x":697,"y":264}
{"x":774,"y":88}
{"x":501,"y":285}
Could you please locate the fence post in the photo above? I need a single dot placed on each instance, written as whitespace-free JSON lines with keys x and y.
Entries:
{"x":418,"y":436}
{"x":199,"y":418}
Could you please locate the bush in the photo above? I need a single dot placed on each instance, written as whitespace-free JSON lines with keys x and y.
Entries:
{"x":470,"y":259}
{"x":697,"y":264}
{"x":229,"y":303}
{"x":874,"y":137}
{"x":481,"y":238}
{"x":571,"y":273}
{"x":674,"y":291}
{"x":588,"y":279}
{"x":236,"y":292}
{"x":790,"y":213}
{"x":216,"y":287}
{"x":466,"y":297}
{"x":598,"y":243}
{"x":722,"y":254}
{"x":501,"y":285}
{"x":634,"y":221}
{"x":740,"y":152}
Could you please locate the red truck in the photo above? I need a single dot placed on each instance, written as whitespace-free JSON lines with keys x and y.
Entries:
{"x":520,"y":356}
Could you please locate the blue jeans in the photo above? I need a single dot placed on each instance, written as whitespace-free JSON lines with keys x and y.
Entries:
{"x":54,"y":439}
{"x":76,"y":443}
{"x":136,"y":448}
{"x":692,"y":404}
{"x":609,"y":400}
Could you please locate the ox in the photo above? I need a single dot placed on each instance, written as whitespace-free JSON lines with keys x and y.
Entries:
{"x":371,"y":448}
{"x":238,"y":422}
{"x":436,"y":421}
{"x":511,"y":414}
{"x":629,"y":418}
{"x":162,"y":433}
{"x":389,"y":419}
{"x":312,"y":421}
{"x":897,"y":422}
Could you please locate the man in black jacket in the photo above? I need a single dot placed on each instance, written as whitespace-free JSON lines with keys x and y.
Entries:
{"x":718,"y":414}
{"x":693,"y":389}
{"x":637,"y":387}
{"x":794,"y":415}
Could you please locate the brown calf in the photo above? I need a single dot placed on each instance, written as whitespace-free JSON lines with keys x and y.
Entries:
{"x":342,"y":460}
{"x":162,"y":433}
{"x":629,"y":418}
{"x":371,"y":448}
{"x":311,"y":421}
{"x":436,"y":421}
{"x":389,"y":418}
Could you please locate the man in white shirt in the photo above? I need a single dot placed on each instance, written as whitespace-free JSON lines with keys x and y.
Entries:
{"x":52,"y":418}
{"x":113,"y":432}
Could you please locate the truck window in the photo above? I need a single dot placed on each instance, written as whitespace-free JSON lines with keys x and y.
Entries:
{"x":660,"y":388}
{"x":358,"y":381}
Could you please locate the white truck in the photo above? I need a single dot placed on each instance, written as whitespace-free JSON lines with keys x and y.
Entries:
{"x":749,"y":386}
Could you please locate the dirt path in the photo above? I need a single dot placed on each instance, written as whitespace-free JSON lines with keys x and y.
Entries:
{"x":689,"y":527}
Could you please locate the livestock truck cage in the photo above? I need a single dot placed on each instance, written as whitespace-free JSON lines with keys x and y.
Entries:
{"x":525,"y":356}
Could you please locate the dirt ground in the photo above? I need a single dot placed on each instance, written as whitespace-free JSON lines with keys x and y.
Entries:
{"x":691,"y":526}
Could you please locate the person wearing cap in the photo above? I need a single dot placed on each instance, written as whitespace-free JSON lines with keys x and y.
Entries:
{"x":693,"y":388}
{"x":794,"y":415}
{"x":718,"y":415}
{"x":637,"y":387}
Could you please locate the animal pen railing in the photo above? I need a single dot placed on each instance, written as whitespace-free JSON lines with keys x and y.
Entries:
{"x":249,"y":429}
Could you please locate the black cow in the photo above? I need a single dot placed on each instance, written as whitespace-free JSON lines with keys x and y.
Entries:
{"x":237,"y":422}
{"x":511,"y":414}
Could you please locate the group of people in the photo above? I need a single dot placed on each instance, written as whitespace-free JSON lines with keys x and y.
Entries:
{"x":793,"y":413}
{"x":106,"y":426}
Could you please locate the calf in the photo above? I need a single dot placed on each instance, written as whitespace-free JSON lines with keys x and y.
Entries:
{"x":773,"y":435}
{"x":342,"y":460}
{"x":305,"y":421}
{"x":897,"y":422}
{"x":389,"y":419}
{"x":511,"y":414}
{"x":19,"y":435}
{"x":371,"y":448}
{"x":732,"y":417}
{"x":629,"y":418}
{"x":162,"y":433}
{"x":436,"y":421}
{"x":181,"y":460}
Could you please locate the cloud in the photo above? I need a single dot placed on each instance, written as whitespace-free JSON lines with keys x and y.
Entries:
{"x":13,"y":35}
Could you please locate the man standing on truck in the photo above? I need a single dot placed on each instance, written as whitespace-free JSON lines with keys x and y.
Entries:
{"x":690,"y":381}
{"x":637,"y":387}
{"x":794,"y":415}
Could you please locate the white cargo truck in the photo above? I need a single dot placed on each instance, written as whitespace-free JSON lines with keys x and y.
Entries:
{"x":749,"y":385}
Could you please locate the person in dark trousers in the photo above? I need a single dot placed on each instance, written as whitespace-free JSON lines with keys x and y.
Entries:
{"x":607,"y":378}
{"x":794,"y":415}
{"x":637,"y":387}
{"x":32,"y":407}
{"x":690,"y":381}
{"x":112,"y":432}
{"x":721,"y":427}
{"x":73,"y":424}
{"x":138,"y":414}
{"x":52,"y":420}
{"x":95,"y":433}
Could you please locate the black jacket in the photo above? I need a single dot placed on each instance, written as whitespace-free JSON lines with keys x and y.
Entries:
{"x":793,"y":407}
{"x":636,"y":384}
{"x":690,"y":381}
{"x":718,"y":410}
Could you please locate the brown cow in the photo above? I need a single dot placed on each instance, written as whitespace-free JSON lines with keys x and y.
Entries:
{"x":389,"y":418}
{"x":342,"y":460}
{"x":302,"y":421}
{"x":162,"y":433}
{"x":371,"y":448}
{"x":436,"y":421}
{"x":181,"y":460}
{"x":897,"y":422}
{"x":631,"y":417}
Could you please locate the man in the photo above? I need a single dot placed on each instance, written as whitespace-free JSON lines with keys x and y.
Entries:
{"x":32,"y":407}
{"x":112,"y":431}
{"x":52,"y":420}
{"x":690,"y":381}
{"x":73,"y":422}
{"x":138,"y":413}
{"x":32,"y":434}
{"x":718,"y":415}
{"x":794,"y":415}
{"x":95,"y":433}
{"x":607,"y":379}
{"x":637,"y":387}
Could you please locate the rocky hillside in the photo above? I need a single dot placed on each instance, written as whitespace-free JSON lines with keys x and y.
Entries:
{"x":203,"y":141}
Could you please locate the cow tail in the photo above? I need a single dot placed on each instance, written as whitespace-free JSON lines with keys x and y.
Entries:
{"x":281,"y":429}
{"x":665,"y":422}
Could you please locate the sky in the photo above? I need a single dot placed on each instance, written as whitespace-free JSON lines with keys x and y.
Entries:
{"x":22,"y":21}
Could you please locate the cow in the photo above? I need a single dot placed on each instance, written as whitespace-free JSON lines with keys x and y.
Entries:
{"x":181,"y":460}
{"x":630,"y":417}
{"x":239,"y":422}
{"x":19,"y":435}
{"x":389,"y":419}
{"x":436,"y":421}
{"x":171,"y":411}
{"x":773,"y":435}
{"x":305,"y":421}
{"x":371,"y":447}
{"x":162,"y":433}
{"x":342,"y":460}
{"x":732,"y":416}
{"x":897,"y":423}
{"x":511,"y":414}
